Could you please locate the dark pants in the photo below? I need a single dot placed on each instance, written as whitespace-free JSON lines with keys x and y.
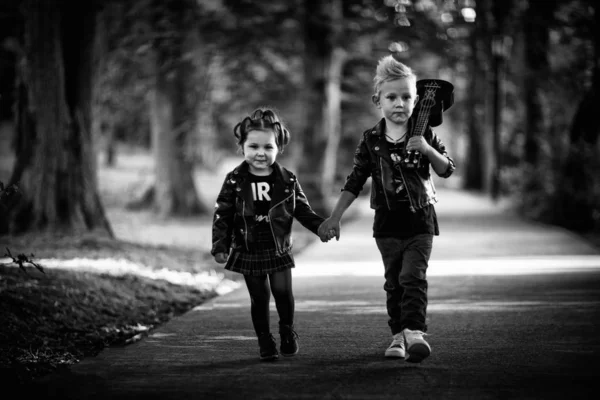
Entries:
{"x":260,"y":289}
{"x":405,"y":262}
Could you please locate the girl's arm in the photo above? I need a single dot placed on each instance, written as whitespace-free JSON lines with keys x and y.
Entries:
{"x":304,"y":212}
{"x":222,"y":228}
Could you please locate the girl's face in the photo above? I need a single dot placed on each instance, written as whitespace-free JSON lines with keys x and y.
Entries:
{"x":397,"y":100}
{"x":260,"y":151}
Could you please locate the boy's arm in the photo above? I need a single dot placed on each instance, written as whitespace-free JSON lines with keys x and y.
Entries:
{"x":361,"y":171}
{"x":439,"y":163}
{"x":333,"y":222}
{"x":435,"y":151}
{"x":439,"y":150}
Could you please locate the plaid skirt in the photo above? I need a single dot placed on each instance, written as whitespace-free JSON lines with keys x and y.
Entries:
{"x":263,"y":260}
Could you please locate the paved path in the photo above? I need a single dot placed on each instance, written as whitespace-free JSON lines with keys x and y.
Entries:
{"x":514,"y":313}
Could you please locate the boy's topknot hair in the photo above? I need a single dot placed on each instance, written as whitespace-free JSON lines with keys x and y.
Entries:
{"x":262,"y":119}
{"x":390,"y":69}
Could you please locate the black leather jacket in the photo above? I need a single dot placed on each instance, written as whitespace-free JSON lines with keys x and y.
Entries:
{"x":234,"y":224}
{"x":372,"y":159}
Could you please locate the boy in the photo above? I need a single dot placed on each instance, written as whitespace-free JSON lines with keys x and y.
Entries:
{"x":405,"y":220}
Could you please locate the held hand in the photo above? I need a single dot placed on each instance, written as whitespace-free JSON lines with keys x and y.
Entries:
{"x":221,"y":258}
{"x":329,"y":229}
{"x":418,"y":143}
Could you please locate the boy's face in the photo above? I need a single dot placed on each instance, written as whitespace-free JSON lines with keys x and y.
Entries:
{"x":397,"y":100}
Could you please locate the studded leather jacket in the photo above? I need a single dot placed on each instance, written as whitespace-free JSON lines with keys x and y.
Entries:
{"x":372,"y":159}
{"x":234,"y":224}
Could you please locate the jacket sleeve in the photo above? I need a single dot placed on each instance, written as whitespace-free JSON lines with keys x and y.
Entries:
{"x":222,"y":228}
{"x":304,"y":213}
{"x":361,"y":170}
{"x":437,"y":144}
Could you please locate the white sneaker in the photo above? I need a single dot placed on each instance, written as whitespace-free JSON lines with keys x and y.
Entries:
{"x":396,"y":349}
{"x":416,"y":347}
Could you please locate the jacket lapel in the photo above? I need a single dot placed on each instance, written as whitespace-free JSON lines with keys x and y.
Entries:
{"x":281,"y":186}
{"x":242,"y":187}
{"x":379,"y":144}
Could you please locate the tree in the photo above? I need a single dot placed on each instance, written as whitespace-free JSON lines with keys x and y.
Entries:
{"x":171,"y":107}
{"x":537,"y":17}
{"x":104,"y":100}
{"x":317,"y":48}
{"x":474,"y":166}
{"x":577,"y":198}
{"x":55,"y":165}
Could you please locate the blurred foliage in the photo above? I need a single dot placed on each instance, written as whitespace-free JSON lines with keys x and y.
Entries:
{"x":563,"y":186}
{"x":252,"y":53}
{"x":256,"y":49}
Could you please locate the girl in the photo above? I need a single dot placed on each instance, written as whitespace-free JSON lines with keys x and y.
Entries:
{"x":253,"y":222}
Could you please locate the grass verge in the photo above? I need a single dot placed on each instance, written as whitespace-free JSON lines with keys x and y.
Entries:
{"x":54,"y":319}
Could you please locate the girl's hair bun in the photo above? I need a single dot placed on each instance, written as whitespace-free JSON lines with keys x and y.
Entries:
{"x":262,"y":119}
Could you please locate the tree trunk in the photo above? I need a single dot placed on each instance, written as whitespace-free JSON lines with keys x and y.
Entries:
{"x":110,"y":147}
{"x":56,"y":167}
{"x":474,"y":167}
{"x":537,"y":16}
{"x":175,"y":190}
{"x":103,"y":124}
{"x":332,"y":124}
{"x":577,"y":196}
{"x":499,"y":51}
{"x":317,"y":49}
{"x":586,"y":124}
{"x":172,"y":111}
{"x":204,"y":141}
{"x":483,"y":120}
{"x":332,"y":113}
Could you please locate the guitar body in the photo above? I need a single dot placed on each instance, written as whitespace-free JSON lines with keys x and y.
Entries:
{"x":444,"y":99}
{"x":435,"y":97}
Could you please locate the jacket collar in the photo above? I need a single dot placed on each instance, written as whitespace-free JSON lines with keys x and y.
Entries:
{"x":381,"y":145}
{"x":243,"y":169}
{"x":379,"y":129}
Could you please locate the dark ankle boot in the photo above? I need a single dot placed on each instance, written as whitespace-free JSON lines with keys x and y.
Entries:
{"x":268,"y":347}
{"x":289,"y":340}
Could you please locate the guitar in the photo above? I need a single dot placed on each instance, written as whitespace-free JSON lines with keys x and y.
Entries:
{"x":435,"y":97}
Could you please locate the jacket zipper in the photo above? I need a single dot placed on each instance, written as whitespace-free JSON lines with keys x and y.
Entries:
{"x":383,"y":183}
{"x":279,"y":250}
{"x":245,"y":224}
{"x":412,"y":207}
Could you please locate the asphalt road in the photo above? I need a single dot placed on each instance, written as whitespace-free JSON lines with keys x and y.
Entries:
{"x":514,"y":313}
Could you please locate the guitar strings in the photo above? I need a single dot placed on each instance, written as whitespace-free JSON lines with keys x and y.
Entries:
{"x":424,"y":116}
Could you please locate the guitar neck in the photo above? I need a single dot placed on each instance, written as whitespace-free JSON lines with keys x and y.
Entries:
{"x":421,"y":124}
